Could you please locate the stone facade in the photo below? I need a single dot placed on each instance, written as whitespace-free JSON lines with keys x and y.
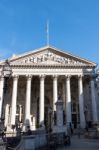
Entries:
{"x":39,"y":79}
{"x":97,"y":91}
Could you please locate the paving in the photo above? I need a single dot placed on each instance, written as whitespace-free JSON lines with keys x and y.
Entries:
{"x":80,"y":144}
{"x":77,"y":144}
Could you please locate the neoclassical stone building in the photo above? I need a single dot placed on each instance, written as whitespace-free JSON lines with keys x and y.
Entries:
{"x":39,"y":79}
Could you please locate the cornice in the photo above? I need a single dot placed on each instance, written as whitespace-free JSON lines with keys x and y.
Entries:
{"x":54,"y":49}
{"x":49,"y":57}
{"x":36,"y":66}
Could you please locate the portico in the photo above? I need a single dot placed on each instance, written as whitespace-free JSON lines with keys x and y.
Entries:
{"x":39,"y":78}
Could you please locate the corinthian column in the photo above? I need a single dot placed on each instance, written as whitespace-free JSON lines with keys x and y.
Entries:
{"x":55,"y":93}
{"x":94,"y":107}
{"x":81,"y":102}
{"x":68,"y":100}
{"x":20,"y":113}
{"x":1,"y":94}
{"x":28,"y":101}
{"x":6,"y":114}
{"x":14,"y":99}
{"x":41,"y":105}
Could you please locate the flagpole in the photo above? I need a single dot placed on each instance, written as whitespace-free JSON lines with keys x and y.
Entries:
{"x":47,"y":32}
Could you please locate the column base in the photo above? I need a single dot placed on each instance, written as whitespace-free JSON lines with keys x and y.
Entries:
{"x":82,"y":125}
{"x":33,"y":127}
{"x":10,"y":131}
{"x":42,"y":127}
{"x":27,"y":124}
{"x":59,"y":129}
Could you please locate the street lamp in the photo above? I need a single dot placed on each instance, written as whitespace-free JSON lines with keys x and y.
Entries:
{"x":6,"y":69}
{"x":6,"y":72}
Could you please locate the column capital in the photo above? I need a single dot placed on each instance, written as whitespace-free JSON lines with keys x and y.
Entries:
{"x":67,"y":77}
{"x":29,"y":77}
{"x":55,"y":76}
{"x":80,"y":76}
{"x":1,"y":77}
{"x":15,"y":76}
{"x":92,"y":77}
{"x":42,"y":76}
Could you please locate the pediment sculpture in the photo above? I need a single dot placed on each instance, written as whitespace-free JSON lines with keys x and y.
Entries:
{"x":48,"y":57}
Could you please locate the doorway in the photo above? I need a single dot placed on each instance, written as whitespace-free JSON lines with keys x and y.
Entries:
{"x":47,"y":115}
{"x":74,"y":120}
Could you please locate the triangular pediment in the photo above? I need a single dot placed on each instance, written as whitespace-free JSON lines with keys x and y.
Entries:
{"x":49,"y":56}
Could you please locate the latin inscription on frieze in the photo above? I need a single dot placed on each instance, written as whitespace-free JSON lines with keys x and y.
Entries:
{"x":49,"y":56}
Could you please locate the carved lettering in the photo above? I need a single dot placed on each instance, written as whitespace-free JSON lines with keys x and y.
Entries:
{"x":49,"y":56}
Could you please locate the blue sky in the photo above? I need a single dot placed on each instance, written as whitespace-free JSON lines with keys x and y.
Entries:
{"x":74,"y":26}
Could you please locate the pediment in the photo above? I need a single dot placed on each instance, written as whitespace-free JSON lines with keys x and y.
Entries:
{"x":49,"y":56}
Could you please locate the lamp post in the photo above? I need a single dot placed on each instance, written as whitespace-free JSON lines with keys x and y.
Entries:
{"x":6,"y":73}
{"x":6,"y":69}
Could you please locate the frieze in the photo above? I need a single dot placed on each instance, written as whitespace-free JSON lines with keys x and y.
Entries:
{"x":49,"y":57}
